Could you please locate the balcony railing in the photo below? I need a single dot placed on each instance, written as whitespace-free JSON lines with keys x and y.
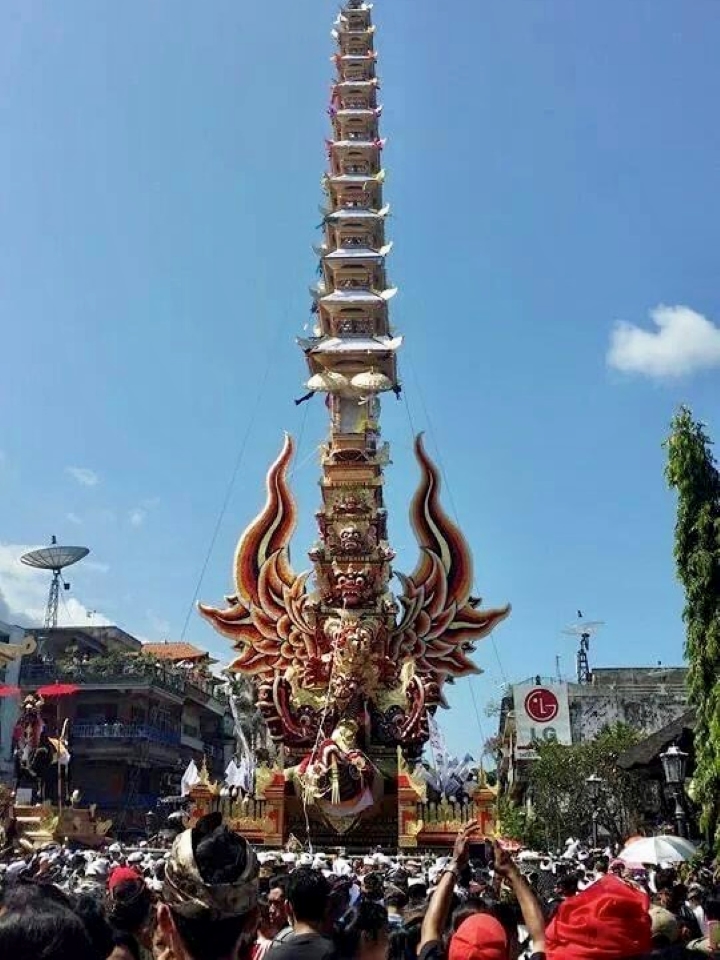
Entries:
{"x":124,"y":731}
{"x":136,"y":671}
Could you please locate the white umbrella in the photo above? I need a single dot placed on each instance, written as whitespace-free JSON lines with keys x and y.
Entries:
{"x":658,"y":849}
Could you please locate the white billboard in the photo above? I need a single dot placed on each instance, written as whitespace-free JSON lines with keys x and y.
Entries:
{"x":542,"y":714}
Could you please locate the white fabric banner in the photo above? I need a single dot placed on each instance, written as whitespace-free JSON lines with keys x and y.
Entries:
{"x":189,"y":778}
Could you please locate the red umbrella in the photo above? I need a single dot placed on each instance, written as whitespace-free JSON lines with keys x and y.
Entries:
{"x":7,"y":690}
{"x":57,"y":690}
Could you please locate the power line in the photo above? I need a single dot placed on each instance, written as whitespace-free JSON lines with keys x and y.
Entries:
{"x":233,"y":476}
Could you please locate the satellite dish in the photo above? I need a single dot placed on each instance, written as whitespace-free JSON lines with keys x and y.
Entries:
{"x":54,"y":558}
{"x":583,"y":630}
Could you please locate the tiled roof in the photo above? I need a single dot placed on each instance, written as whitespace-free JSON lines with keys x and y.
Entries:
{"x":174,"y":651}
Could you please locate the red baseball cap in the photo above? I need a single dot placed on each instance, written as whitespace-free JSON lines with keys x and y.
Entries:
{"x":480,"y":937}
{"x":123,"y":875}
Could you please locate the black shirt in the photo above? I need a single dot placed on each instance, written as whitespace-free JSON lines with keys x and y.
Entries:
{"x":303,"y":946}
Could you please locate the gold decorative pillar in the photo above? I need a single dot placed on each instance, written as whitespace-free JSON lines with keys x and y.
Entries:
{"x":411,"y":791}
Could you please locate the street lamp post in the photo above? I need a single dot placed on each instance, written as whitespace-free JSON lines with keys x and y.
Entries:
{"x":593,"y":783}
{"x":674,"y":761}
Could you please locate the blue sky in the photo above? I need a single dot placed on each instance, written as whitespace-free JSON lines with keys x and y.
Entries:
{"x":553,"y":169}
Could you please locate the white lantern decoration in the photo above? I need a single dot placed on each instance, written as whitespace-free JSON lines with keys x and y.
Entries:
{"x":371,"y":382}
{"x":329,"y":381}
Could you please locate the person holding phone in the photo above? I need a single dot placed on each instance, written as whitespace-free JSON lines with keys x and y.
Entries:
{"x":480,"y":936}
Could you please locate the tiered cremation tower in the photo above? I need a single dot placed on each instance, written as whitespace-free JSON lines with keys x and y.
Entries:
{"x":346,"y":673}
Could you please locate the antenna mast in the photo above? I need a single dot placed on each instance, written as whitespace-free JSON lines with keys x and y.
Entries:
{"x":583,"y":630}
{"x":54,"y":558}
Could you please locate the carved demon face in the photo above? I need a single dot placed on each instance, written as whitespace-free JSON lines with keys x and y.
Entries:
{"x":352,"y":588}
{"x":344,"y":687}
{"x":351,"y":503}
{"x":351,"y":539}
{"x":355,"y":671}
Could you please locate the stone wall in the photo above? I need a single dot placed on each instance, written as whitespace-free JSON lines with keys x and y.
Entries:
{"x":645,"y":698}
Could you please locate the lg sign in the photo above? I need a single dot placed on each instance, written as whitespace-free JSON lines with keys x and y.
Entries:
{"x":541,"y":705}
{"x":541,"y":714}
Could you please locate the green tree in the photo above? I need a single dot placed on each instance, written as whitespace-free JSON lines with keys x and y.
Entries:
{"x":561,"y":800}
{"x":519,"y":823}
{"x":691,"y":470}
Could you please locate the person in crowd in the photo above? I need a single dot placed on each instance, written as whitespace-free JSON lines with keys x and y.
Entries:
{"x":608,"y":921}
{"x":417,"y":893}
{"x":395,"y":902}
{"x":566,"y":886}
{"x":467,"y":908}
{"x":710,"y":943}
{"x":209,"y":896}
{"x":91,"y":910}
{"x":373,"y":886}
{"x":266,"y":930}
{"x":673,"y":897}
{"x":125,"y":947}
{"x":404,"y":940}
{"x":664,"y":929}
{"x":37,"y":924}
{"x":695,"y":903}
{"x":277,"y":904}
{"x":130,"y":908}
{"x":481,"y":936}
{"x":363,"y":933}
{"x":308,"y":900}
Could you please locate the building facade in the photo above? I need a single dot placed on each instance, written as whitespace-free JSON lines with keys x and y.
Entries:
{"x":135,"y":719}
{"x":14,"y":643}
{"x":644,"y":698}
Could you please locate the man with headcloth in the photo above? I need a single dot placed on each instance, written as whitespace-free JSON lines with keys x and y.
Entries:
{"x":210,"y":892}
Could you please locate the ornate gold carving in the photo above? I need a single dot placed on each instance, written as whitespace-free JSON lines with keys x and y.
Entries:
{"x":250,"y":824}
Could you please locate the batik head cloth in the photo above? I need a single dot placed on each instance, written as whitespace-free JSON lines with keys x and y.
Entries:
{"x":185,"y":891}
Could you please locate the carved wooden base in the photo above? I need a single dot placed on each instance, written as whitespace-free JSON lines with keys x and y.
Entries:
{"x":402,"y":819}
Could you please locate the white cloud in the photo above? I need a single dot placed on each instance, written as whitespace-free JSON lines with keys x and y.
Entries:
{"x":84,"y":476}
{"x":25,"y":591}
{"x":96,"y":566}
{"x":73,"y":518}
{"x":137,"y":517}
{"x":684,"y":342}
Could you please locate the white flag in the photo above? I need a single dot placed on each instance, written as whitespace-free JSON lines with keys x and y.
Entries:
{"x":232,"y":773}
{"x":245,"y":775}
{"x":189,"y":778}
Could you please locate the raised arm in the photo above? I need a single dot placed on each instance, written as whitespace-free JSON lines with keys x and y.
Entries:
{"x":528,"y":902}
{"x":433,"y":925}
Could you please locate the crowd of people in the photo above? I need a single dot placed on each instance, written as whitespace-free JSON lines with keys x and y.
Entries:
{"x":213,"y":897}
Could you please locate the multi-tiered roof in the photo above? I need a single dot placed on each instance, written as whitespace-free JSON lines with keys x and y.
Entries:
{"x":353,"y":339}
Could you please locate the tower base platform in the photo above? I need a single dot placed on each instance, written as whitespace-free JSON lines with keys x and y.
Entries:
{"x":403,"y":819}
